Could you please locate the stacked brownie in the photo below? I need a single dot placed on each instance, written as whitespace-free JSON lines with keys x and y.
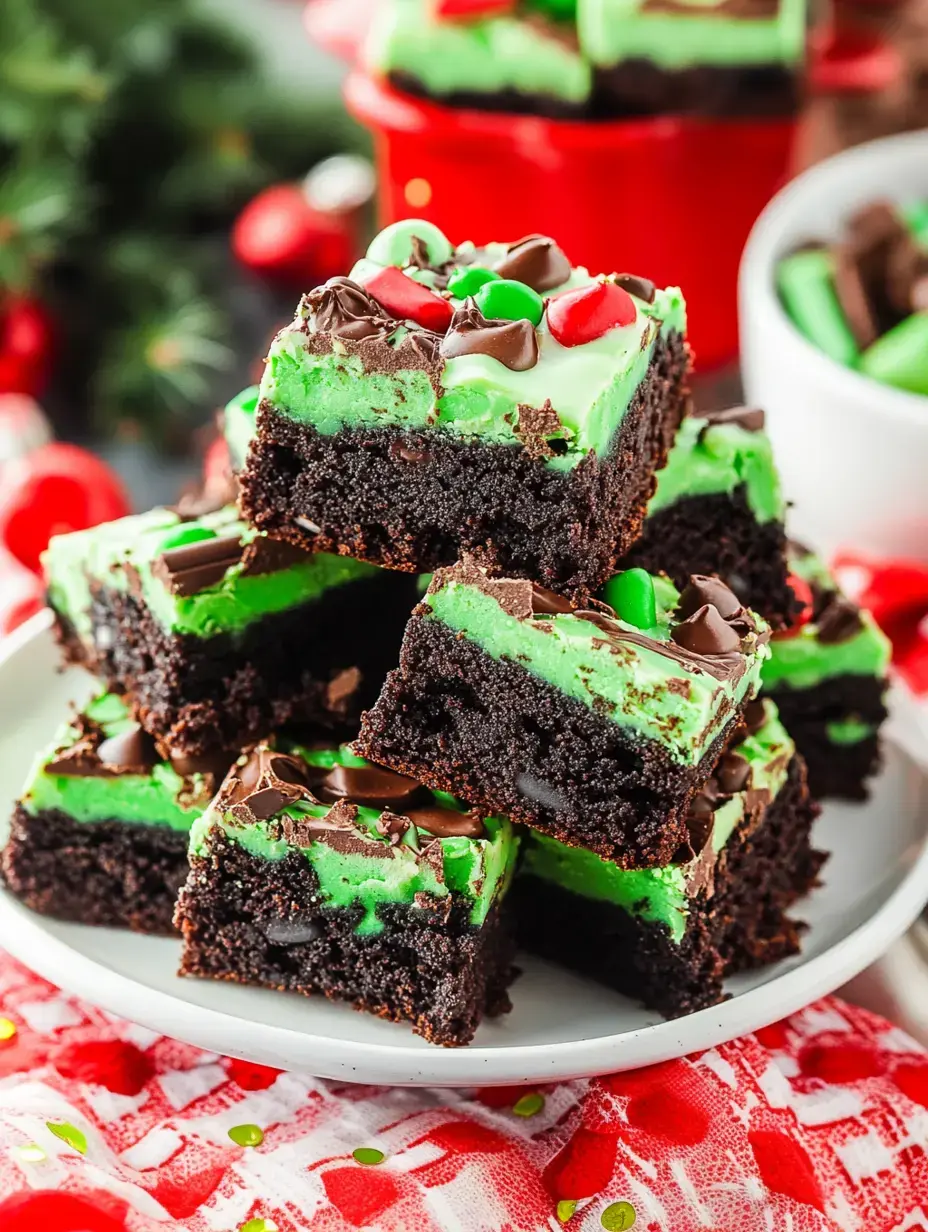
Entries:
{"x":594,"y":59}
{"x":452,"y":516}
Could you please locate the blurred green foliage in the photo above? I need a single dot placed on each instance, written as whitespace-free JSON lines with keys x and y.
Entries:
{"x":131,"y":132}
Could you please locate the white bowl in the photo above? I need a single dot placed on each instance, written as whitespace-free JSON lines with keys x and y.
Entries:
{"x":853,"y":453}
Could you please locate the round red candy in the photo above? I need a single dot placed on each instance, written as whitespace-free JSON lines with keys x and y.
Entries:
{"x":408,"y":300}
{"x":53,"y":490}
{"x":586,"y":313}
{"x":803,"y":592}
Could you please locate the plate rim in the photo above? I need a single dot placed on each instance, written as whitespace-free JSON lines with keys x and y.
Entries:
{"x":325,"y":1056}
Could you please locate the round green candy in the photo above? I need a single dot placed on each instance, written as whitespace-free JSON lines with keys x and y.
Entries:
{"x":246,"y":402}
{"x":900,"y":357}
{"x":186,"y":533}
{"x":618,"y":1217}
{"x":631,"y":594}
{"x":529,"y":1105}
{"x":368,"y":1155}
{"x":509,"y":300}
{"x":468,"y":281}
{"x":247,"y":1135}
{"x":393,"y":246}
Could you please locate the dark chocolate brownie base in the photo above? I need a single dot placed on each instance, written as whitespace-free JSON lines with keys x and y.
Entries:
{"x":428,"y":966}
{"x":761,"y":871}
{"x":517,"y":102}
{"x":417,"y":500}
{"x":109,"y":873}
{"x":507,"y":742}
{"x":719,"y":534}
{"x":204,"y":695}
{"x":835,"y":770}
{"x":639,"y":87}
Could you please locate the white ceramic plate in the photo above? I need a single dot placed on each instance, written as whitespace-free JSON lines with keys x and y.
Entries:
{"x":561,"y":1026}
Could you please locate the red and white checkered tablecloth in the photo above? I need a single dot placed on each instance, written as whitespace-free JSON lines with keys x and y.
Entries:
{"x":819,"y":1122}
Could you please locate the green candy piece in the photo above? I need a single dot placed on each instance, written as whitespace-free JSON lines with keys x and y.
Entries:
{"x":916,"y":219}
{"x":368,"y":1155}
{"x":529,"y":1105}
{"x":70,"y":1134}
{"x":247,"y":1135}
{"x":900,"y":357}
{"x":506,"y":299}
{"x":618,"y":1217}
{"x":807,"y":290}
{"x":393,"y":246}
{"x":632,"y":596}
{"x":565,"y":1209}
{"x":557,"y":10}
{"x":259,"y":1225}
{"x":468,"y":281}
{"x":246,"y":401}
{"x":181,"y":536}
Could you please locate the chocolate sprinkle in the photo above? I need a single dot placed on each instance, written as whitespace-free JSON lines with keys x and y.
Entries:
{"x":371,"y":786}
{"x":733,"y":773}
{"x":634,"y":284}
{"x":194,"y":567}
{"x":701,"y":590}
{"x":446,"y":823}
{"x":535,"y":260}
{"x":546,"y":603}
{"x":513,"y":343}
{"x":839,"y":621}
{"x":706,"y":633}
{"x":751,"y":419}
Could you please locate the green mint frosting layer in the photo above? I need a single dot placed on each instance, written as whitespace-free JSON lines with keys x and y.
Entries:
{"x":238,"y":424}
{"x":119,"y":555}
{"x":615,"y":30}
{"x":851,"y":730}
{"x":708,"y":459}
{"x":656,"y":697}
{"x":802,"y":660}
{"x":660,"y":895}
{"x":476,"y":869}
{"x":160,"y":798}
{"x":588,"y":386}
{"x":503,"y":53}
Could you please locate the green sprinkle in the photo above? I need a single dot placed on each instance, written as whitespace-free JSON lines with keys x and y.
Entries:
{"x":368,"y":1155}
{"x":618,"y":1217}
{"x":468,"y":281}
{"x":565,"y":1208}
{"x":32,"y":1153}
{"x":246,"y":1135}
{"x":259,"y":1225}
{"x":70,"y":1134}
{"x":509,"y":300}
{"x":184,"y":534}
{"x":529,"y":1105}
{"x":632,"y":595}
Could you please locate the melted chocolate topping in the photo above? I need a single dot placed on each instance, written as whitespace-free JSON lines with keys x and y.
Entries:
{"x":535,"y":260}
{"x":344,"y":309}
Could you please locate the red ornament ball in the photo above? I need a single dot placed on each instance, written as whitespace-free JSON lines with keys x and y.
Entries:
{"x":586,"y":313}
{"x":53,"y":490}
{"x":281,"y":237}
{"x":409,"y":300}
{"x":26,"y":345}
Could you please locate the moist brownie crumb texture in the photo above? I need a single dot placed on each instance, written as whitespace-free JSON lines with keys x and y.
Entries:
{"x":485,"y":642}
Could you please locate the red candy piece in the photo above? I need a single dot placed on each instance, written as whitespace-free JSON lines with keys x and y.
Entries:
{"x":585,"y":314}
{"x":53,"y":1211}
{"x":406,"y":299}
{"x":803,"y":592}
{"x":472,"y":10}
{"x":55,"y":489}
